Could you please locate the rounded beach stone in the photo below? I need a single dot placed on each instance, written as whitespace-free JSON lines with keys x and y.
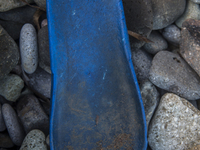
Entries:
{"x":14,"y":128}
{"x":158,"y":43}
{"x":175,"y":124}
{"x":9,"y":54}
{"x":28,"y":48}
{"x":11,"y":87}
{"x":165,"y":12}
{"x":32,"y":115}
{"x":170,"y":72}
{"x":40,"y":83}
{"x":6,"y":5}
{"x":43,"y":44}
{"x":47,"y":140}
{"x":142,"y":63}
{"x":150,"y":98}
{"x":2,"y":123}
{"x":172,"y":34}
{"x":139,"y":19}
{"x":5,"y":141}
{"x":192,"y":11}
{"x":34,"y":140}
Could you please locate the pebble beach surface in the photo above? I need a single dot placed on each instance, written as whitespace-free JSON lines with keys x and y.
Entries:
{"x":167,"y":69}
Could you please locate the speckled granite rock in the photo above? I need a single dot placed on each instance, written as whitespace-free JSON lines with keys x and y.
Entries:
{"x":34,"y":140}
{"x":11,"y":86}
{"x":139,"y":19}
{"x":190,"y":43}
{"x":170,"y":72}
{"x":192,"y":11}
{"x":166,"y":12}
{"x":158,"y":43}
{"x":150,"y":98}
{"x":6,"y":5}
{"x":9,"y":54}
{"x":175,"y":125}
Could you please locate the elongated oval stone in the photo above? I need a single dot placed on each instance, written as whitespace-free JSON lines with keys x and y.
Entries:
{"x":28,"y":48}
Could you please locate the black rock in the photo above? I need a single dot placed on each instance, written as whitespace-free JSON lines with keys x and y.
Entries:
{"x":139,"y":19}
{"x":32,"y":115}
{"x":13,"y":125}
{"x":9,"y":54}
{"x":5,"y":141}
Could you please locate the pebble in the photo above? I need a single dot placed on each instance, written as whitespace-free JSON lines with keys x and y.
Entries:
{"x":41,"y":3}
{"x":9,"y":54}
{"x":190,"y":43}
{"x":13,"y":126}
{"x":34,"y":140}
{"x":139,"y":19}
{"x":142,"y":63}
{"x":175,"y":124}
{"x":46,"y":106}
{"x":28,"y":48}
{"x":5,"y":141}
{"x":172,"y":34}
{"x":44,"y":23}
{"x":17,"y":70}
{"x":196,"y":1}
{"x":40,"y":83}
{"x":47,"y":140}
{"x":32,"y":115}
{"x":6,"y":5}
{"x":13,"y":20}
{"x":150,"y":97}
{"x":158,"y":43}
{"x":2,"y":123}
{"x":11,"y":86}
{"x":170,"y":72}
{"x":43,"y":44}
{"x":192,"y":11}
{"x":165,"y":12}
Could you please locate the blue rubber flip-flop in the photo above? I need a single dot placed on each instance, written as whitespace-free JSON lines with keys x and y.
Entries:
{"x":96,"y":102}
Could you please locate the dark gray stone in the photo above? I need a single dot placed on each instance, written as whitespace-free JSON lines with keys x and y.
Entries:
{"x":13,"y":125}
{"x":43,"y":43}
{"x":41,"y":3}
{"x":5,"y":141}
{"x":142,"y":63}
{"x":6,"y":5}
{"x":34,"y":140}
{"x":190,"y":43}
{"x":150,"y":98}
{"x":172,"y":34}
{"x":2,"y":123}
{"x":32,"y":115}
{"x":13,"y":20}
{"x":170,"y":72}
{"x":158,"y":43}
{"x":139,"y":19}
{"x":40,"y":83}
{"x":9,"y":54}
{"x":46,"y":105}
{"x":165,"y":12}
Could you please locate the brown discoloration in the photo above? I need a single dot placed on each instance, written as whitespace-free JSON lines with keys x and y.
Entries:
{"x":122,"y":141}
{"x":139,"y":37}
{"x":96,"y":120}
